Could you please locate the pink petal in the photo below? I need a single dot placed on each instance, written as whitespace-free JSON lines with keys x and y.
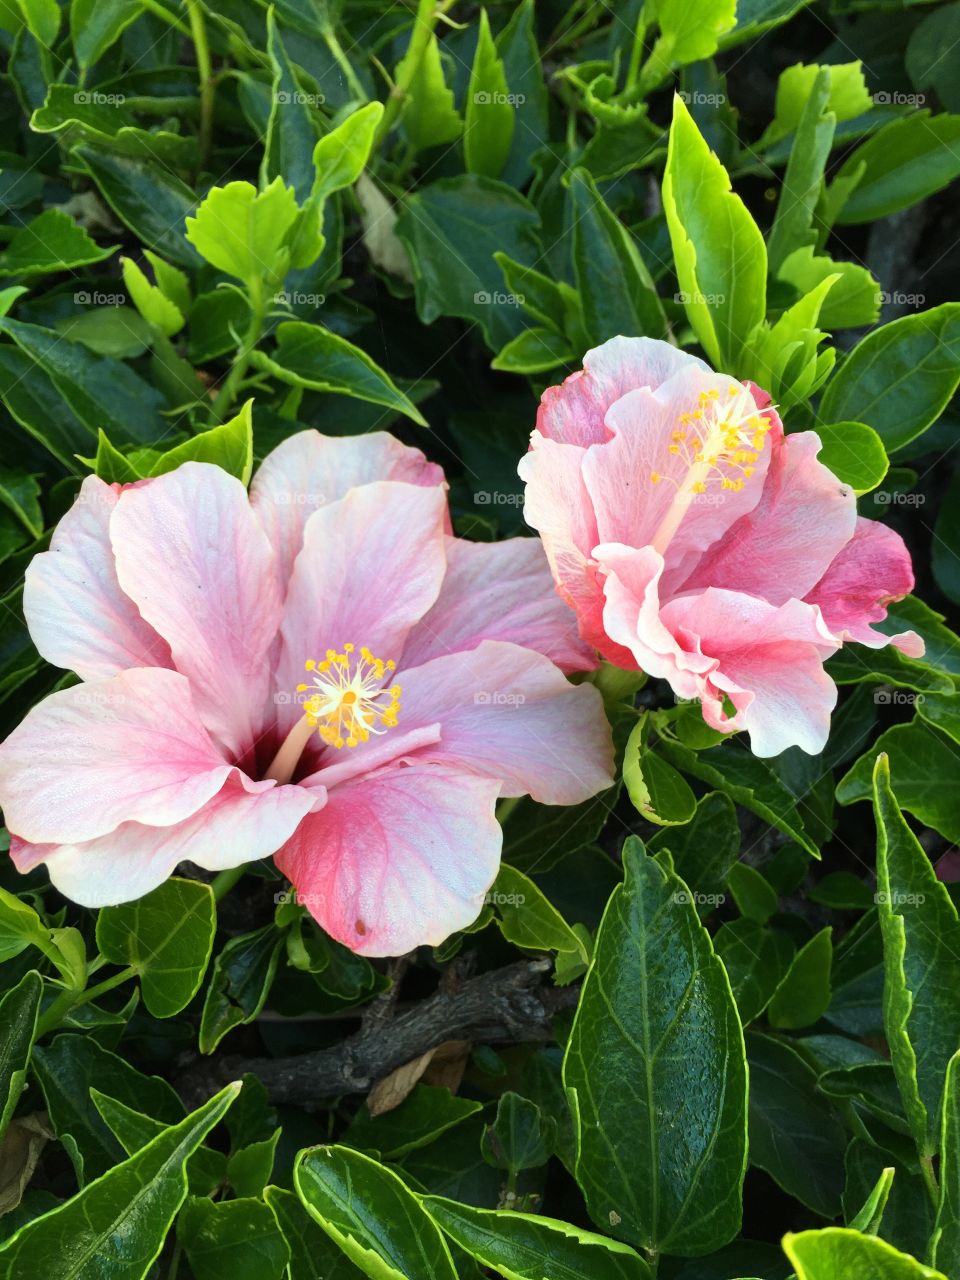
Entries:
{"x":233,"y":827}
{"x":769,"y":664}
{"x":498,"y":591}
{"x":782,"y":547}
{"x":192,"y":556}
{"x":429,"y":851}
{"x":634,"y":509}
{"x":870,"y":572}
{"x":574,"y":412}
{"x":127,"y":749}
{"x":510,"y":714}
{"x":76,"y":612}
{"x":310,"y":470}
{"x":371,"y":566}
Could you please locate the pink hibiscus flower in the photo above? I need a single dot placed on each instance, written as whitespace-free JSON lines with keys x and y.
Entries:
{"x":697,"y":542}
{"x":317,"y":671}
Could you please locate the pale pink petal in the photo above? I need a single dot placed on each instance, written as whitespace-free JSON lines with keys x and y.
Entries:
{"x":192,"y":556}
{"x":397,"y":859}
{"x":499,"y":591}
{"x":310,"y":470}
{"x":574,"y":412}
{"x":769,"y":664}
{"x":510,"y":714}
{"x":631,"y":616}
{"x":640,"y":481}
{"x":127,"y":749}
{"x":77,"y":615}
{"x":339,"y":766}
{"x":870,"y":572}
{"x":371,"y":566}
{"x":783,"y":546}
{"x":233,"y":827}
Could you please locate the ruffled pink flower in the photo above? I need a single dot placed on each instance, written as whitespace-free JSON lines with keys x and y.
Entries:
{"x":430,"y":673}
{"x":697,"y":542}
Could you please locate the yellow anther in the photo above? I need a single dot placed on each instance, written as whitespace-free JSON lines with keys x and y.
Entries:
{"x":310,"y":664}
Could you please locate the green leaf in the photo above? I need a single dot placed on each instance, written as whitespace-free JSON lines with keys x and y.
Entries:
{"x":900,"y":377}
{"x":659,"y":793}
{"x":793,"y":222}
{"x":422,"y":1116}
{"x":795,"y":1133}
{"x":921,"y":761}
{"x":921,"y":949}
{"x":748,"y":781}
{"x":206,"y":1168}
{"x":43,"y":20}
{"x":229,"y":446}
{"x":720,"y":255}
{"x":19,"y":493}
{"x":452,"y":228}
{"x":704,"y":849}
{"x":310,"y":356}
{"x":242,"y":975}
{"x":167,"y":936}
{"x":945,"y":1242}
{"x":369,"y":1212}
{"x":118,"y":331}
{"x":155,"y":307}
{"x":754,"y":895}
{"x":854,"y":298}
{"x":430,"y":116}
{"x":870,"y":1216}
{"x":604,"y":250}
{"x":521,"y":1137}
{"x":18,"y":1017}
{"x":854,"y":453}
{"x":905,"y":161}
{"x":519,"y":48}
{"x":657,"y":1034}
{"x":312,"y":1252}
{"x":291,"y":128}
{"x":50,"y":242}
{"x":237,"y":1238}
{"x":756,"y":959}
{"x":527,"y":918}
{"x":96,"y":25}
{"x":848,"y":96}
{"x":116,"y":1225}
{"x":534,"y":351}
{"x":524,"y":1246}
{"x":489,"y":116}
{"x":110,"y":464}
{"x":242,"y":231}
{"x":341,"y":156}
{"x":836,"y":1253}
{"x":690,"y":29}
{"x":803,"y":996}
{"x":251,"y":1168}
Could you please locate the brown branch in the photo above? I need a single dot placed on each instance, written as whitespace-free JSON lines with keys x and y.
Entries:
{"x":505,"y":1006}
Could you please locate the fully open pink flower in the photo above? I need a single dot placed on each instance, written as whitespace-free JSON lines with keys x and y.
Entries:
{"x":697,"y":542}
{"x":430,"y":674}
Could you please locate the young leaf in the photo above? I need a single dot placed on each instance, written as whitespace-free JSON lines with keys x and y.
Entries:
{"x":527,"y":918}
{"x":656,"y":1034}
{"x":945,"y":1242}
{"x":341,"y":156}
{"x":229,"y":446}
{"x":155,"y":307}
{"x":488,"y":131}
{"x":521,"y":1137}
{"x":836,"y":1253}
{"x":242,"y":232}
{"x":430,"y":115}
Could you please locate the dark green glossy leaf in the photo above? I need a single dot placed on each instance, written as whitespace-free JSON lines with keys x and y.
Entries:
{"x":237,"y":1238}
{"x":18,"y":1018}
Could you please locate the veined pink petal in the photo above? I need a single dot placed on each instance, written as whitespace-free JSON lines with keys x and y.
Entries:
{"x":128,"y":749}
{"x":193,"y":557}
{"x":397,"y":859}
{"x":574,"y":412}
{"x":870,"y":572}
{"x":371,"y":566}
{"x":76,"y":612}
{"x":782,"y":547}
{"x":642,"y":482}
{"x":310,"y":470}
{"x":498,"y":591}
{"x":510,"y":714}
{"x":769,"y":664}
{"x":233,"y":827}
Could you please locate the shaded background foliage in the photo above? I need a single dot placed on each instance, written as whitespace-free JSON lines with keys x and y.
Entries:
{"x":525,"y":194}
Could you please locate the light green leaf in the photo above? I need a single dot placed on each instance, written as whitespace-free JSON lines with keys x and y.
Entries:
{"x":229,"y":446}
{"x":848,"y":97}
{"x":310,"y":356}
{"x":242,"y":231}
{"x":167,"y":936}
{"x":905,"y":161}
{"x":836,"y":1253}
{"x":490,"y":121}
{"x":657,"y":1034}
{"x":527,"y":918}
{"x":377,"y":1222}
{"x":854,"y":298}
{"x":116,"y":1225}
{"x":854,"y":453}
{"x":803,"y":996}
{"x":18,"y":1017}
{"x":341,"y":156}
{"x":430,"y":115}
{"x":661,"y":794}
{"x":720,"y":255}
{"x":534,"y":351}
{"x":945,"y":1242}
{"x":689,"y":29}
{"x":525,"y":1246}
{"x":155,"y":307}
{"x":921,"y":948}
{"x":793,"y":221}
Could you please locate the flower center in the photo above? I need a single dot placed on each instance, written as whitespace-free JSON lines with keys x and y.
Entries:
{"x":348,"y":700}
{"x":717,"y":445}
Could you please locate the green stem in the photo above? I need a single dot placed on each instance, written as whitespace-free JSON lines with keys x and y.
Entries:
{"x":424,"y":22}
{"x":67,"y":1001}
{"x":224,"y":881}
{"x":198,"y":32}
{"x":636,"y":51}
{"x":343,"y":62}
{"x":164,"y":14}
{"x":175,"y":1261}
{"x":228,"y":392}
{"x":930,"y":1179}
